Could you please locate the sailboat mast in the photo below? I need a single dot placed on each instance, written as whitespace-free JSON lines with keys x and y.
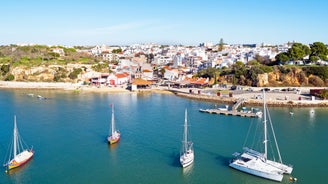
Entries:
{"x":15,"y":137}
{"x":265,"y":141}
{"x":113,"y":119}
{"x":185,"y":132}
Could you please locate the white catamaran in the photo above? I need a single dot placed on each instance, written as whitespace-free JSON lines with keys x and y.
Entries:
{"x":256,"y":163}
{"x":187,"y":151}
{"x":114,"y":135}
{"x":21,"y":155}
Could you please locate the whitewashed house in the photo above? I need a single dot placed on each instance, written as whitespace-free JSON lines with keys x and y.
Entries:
{"x":59,"y":51}
{"x":118,"y":79}
{"x":177,"y":60}
{"x":171,"y":74}
{"x":147,"y":74}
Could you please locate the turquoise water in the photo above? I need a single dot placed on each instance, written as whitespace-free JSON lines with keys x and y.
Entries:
{"x":68,"y":133}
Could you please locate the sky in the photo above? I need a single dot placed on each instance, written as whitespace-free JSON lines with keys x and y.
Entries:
{"x":186,"y":22}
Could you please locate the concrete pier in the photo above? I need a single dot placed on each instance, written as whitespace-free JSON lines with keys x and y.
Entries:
{"x":232,"y":113}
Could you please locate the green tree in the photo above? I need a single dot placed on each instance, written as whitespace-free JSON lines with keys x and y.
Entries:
{"x":252,"y":74}
{"x":298,"y":51}
{"x":116,"y":51}
{"x":324,"y":94}
{"x":238,"y":69}
{"x":319,"y":49}
{"x":162,"y":72}
{"x":208,"y":73}
{"x":221,"y":44}
{"x":75,"y":73}
{"x":10,"y":77}
{"x":69,"y":51}
{"x":253,"y":62}
{"x":5,"y":69}
{"x":282,"y":57}
{"x":314,"y":59}
{"x":100,"y":67}
{"x":321,"y":72}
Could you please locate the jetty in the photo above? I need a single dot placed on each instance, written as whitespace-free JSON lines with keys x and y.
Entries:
{"x":233,"y":113}
{"x":238,"y":103}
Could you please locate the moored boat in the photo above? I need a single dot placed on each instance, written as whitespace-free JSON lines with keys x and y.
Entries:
{"x":114,"y":135}
{"x":187,"y":151}
{"x":257,"y":163}
{"x":21,"y":155}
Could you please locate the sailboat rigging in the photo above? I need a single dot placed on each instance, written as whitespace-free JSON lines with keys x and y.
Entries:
{"x":187,"y":151}
{"x":257,"y":163}
{"x":21,"y":155}
{"x":114,"y":135}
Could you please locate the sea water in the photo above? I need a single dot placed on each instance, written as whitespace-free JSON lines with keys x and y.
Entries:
{"x":68,"y":133}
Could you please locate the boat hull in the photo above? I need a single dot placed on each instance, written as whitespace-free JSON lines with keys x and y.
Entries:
{"x":114,"y":139}
{"x":187,"y":159}
{"x":247,"y":168}
{"x":20,"y":159}
{"x":287,"y":169}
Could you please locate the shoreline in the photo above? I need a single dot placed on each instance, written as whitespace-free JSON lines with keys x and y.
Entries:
{"x":273,"y":99}
{"x":257,"y":102}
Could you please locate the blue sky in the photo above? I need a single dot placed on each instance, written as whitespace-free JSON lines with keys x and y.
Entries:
{"x":187,"y":22}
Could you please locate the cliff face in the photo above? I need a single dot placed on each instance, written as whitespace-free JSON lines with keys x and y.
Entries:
{"x":46,"y":73}
{"x":60,"y":73}
{"x":289,"y":77}
{"x":295,"y":77}
{"x":36,"y":74}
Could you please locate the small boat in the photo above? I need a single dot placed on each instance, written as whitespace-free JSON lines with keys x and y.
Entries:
{"x":224,"y":108}
{"x":30,"y":94}
{"x":41,"y":97}
{"x":257,"y":163}
{"x":187,"y":151}
{"x":114,"y":135}
{"x":21,"y":155}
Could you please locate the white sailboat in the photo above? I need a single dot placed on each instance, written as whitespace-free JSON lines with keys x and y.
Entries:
{"x":187,"y":151}
{"x":114,"y":135}
{"x":256,"y":163}
{"x":21,"y":155}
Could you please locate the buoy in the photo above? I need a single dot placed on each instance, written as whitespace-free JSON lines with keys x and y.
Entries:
{"x":291,"y":179}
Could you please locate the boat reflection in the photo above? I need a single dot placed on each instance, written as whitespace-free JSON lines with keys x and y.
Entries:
{"x":312,"y":114}
{"x":187,"y":171}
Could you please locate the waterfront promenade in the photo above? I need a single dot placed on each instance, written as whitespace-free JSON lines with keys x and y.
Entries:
{"x":254,"y":97}
{"x":281,"y":98}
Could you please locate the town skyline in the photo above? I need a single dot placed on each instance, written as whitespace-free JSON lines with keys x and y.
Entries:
{"x":183,"y":22}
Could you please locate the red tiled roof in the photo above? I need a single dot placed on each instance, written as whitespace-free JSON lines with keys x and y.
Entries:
{"x":141,"y":82}
{"x":200,"y":81}
{"x":121,"y":75}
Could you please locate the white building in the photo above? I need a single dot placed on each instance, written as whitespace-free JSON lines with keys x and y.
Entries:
{"x":118,"y":79}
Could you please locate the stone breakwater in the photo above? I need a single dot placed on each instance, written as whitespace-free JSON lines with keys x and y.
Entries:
{"x":256,"y":102}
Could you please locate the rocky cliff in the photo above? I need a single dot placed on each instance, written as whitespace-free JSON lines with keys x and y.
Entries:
{"x":50,"y":73}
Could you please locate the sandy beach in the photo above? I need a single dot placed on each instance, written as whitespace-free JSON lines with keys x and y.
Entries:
{"x":60,"y":86}
{"x":291,"y":99}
